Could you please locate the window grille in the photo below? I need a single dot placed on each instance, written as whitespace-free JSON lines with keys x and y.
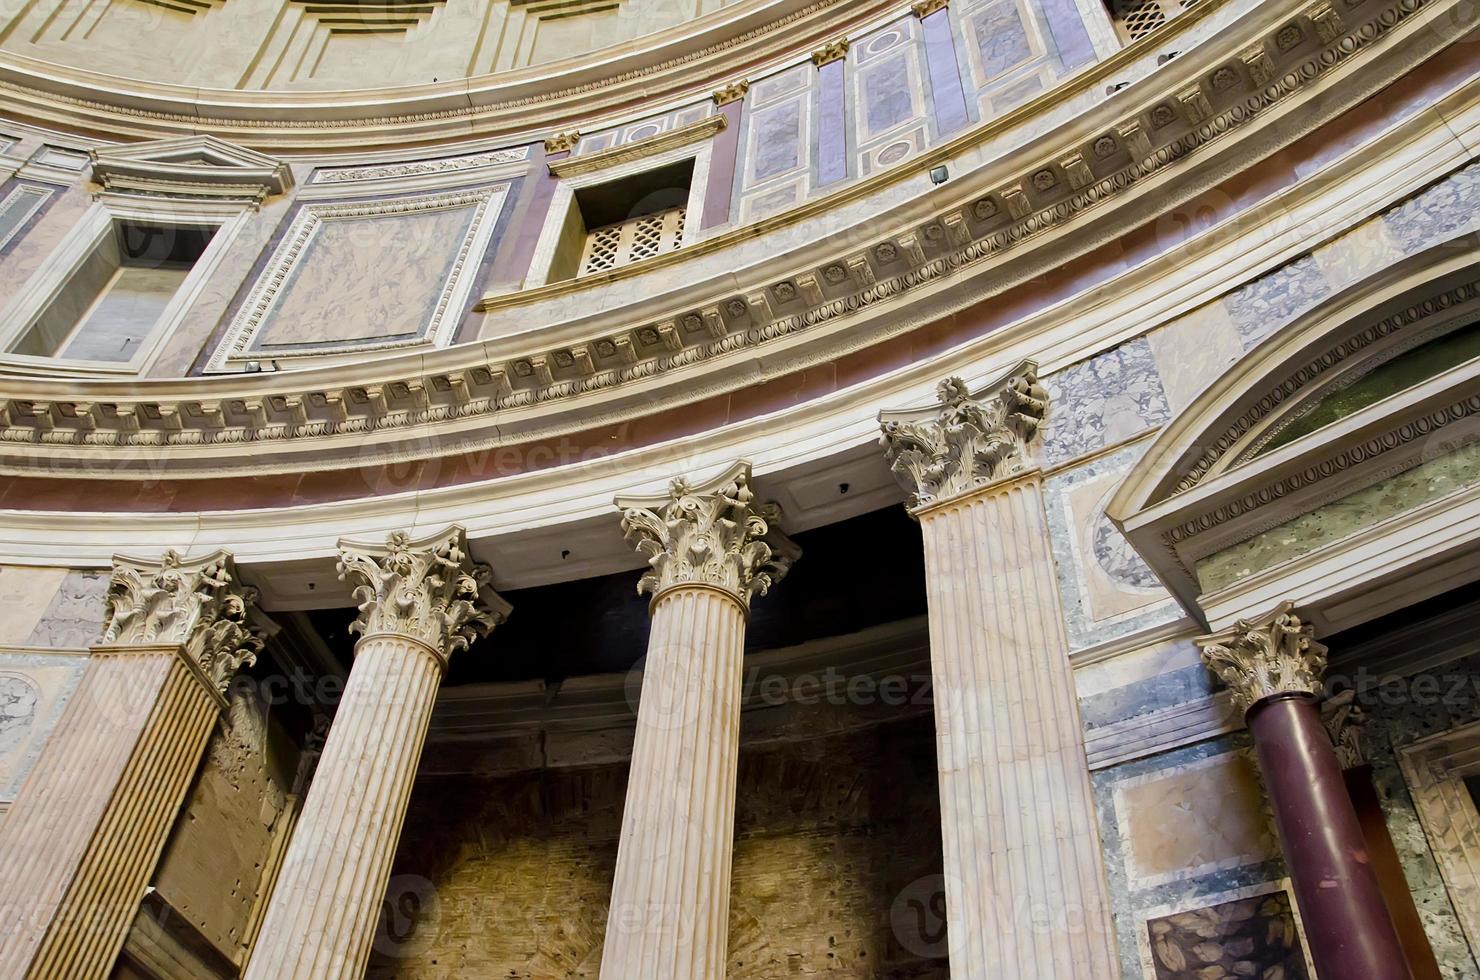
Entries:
{"x":613,"y":246}
{"x":1137,"y":18}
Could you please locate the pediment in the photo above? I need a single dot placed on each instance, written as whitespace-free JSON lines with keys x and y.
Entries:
{"x":1375,"y":382}
{"x":191,"y":166}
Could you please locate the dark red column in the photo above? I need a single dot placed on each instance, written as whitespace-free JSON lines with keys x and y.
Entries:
{"x":1346,"y":920}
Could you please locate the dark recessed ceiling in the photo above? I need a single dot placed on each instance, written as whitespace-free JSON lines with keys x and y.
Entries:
{"x":854,"y":574}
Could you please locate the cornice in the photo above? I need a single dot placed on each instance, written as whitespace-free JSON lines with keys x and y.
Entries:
{"x":689,"y":60}
{"x":456,"y":397}
{"x":586,"y":163}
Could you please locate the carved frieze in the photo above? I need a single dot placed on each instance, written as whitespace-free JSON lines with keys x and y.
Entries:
{"x":1275,"y":654}
{"x":428,"y":589}
{"x":197,"y":603}
{"x":968,"y":440}
{"x":714,"y":533}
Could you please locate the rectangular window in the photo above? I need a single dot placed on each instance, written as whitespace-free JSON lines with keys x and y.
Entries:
{"x":17,"y":208}
{"x":618,"y":222}
{"x":113,"y":299}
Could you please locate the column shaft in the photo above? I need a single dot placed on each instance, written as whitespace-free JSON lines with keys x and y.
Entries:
{"x":87,"y":828}
{"x":670,"y":901}
{"x":1351,"y":933}
{"x":1025,"y":888}
{"x":325,"y":905}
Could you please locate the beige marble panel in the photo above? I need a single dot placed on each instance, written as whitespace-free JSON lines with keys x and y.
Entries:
{"x":351,"y":284}
{"x":29,"y":700}
{"x":1188,"y":821}
{"x":25,"y":595}
{"x":1361,"y":252}
{"x":1101,"y":549}
{"x":1192,"y":351}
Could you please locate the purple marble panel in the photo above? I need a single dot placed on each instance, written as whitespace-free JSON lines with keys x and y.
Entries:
{"x":1066,"y":26}
{"x":1001,"y":39}
{"x":832,"y":132}
{"x":946,"y":91}
{"x":778,"y":138}
{"x":886,"y":96}
{"x":722,"y":168}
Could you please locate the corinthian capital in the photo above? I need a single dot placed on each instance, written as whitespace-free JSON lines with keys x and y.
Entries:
{"x":428,"y":589}
{"x":966,"y":441}
{"x":1275,"y":654}
{"x":197,"y":604}
{"x":710,"y":534}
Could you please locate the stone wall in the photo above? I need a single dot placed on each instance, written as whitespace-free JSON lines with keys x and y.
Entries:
{"x":837,"y":867}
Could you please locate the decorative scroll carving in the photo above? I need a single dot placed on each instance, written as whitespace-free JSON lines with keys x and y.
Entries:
{"x":968,"y":440}
{"x":924,"y":8}
{"x":1275,"y":654}
{"x":1344,"y":719}
{"x":830,"y":52}
{"x":427,"y":588}
{"x":733,"y":92}
{"x":711,"y":534}
{"x":562,"y":142}
{"x":197,"y":604}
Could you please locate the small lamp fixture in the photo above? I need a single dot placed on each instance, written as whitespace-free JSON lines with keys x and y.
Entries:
{"x":939,"y":175}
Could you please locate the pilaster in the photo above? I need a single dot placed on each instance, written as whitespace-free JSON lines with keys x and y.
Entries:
{"x":1025,"y":888}
{"x":78,"y":847}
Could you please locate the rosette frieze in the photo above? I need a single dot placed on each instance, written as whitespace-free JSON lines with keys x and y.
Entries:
{"x":1260,"y":658}
{"x":198,"y":604}
{"x":968,"y":440}
{"x":427,"y":589}
{"x":709,"y":534}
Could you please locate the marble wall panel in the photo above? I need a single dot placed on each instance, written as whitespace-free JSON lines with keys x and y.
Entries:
{"x":1107,"y":589}
{"x":74,"y":617}
{"x":1191,"y":820}
{"x":776,"y":143}
{"x":1227,"y":857}
{"x":345,"y":287}
{"x":1193,"y":350}
{"x":1102,"y":401}
{"x":1437,"y":214}
{"x":34,"y":687}
{"x":1276,"y":298}
{"x":25,"y":595}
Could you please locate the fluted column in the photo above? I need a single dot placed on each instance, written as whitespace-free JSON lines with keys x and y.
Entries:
{"x":420,"y":602}
{"x":1025,"y":886}
{"x":1273,"y":667}
{"x":710,"y":548}
{"x":81,"y":841}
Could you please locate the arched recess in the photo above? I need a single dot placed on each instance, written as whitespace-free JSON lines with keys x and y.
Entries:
{"x":1337,"y":464}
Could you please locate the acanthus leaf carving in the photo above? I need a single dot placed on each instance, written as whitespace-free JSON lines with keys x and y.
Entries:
{"x":198,"y":604}
{"x":1275,"y":654}
{"x":968,"y":440}
{"x":428,"y":589}
{"x":712,"y":534}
